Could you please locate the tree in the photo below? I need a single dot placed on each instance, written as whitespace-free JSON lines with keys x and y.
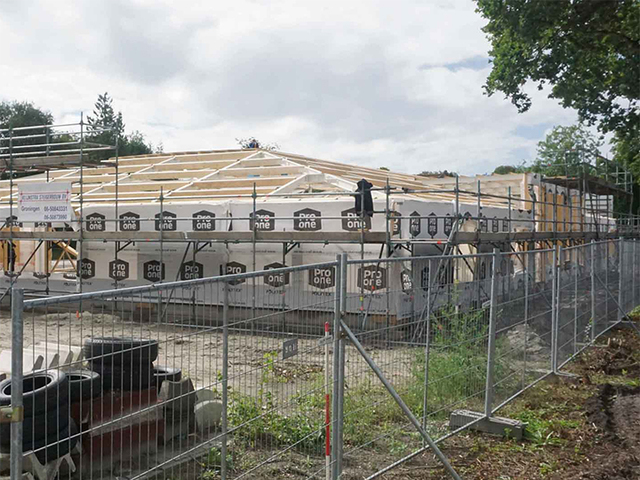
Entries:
{"x":105,"y":118}
{"x":252,"y":142}
{"x":565,"y":149}
{"x":588,"y":50}
{"x":438,"y":173}
{"x":626,"y":151}
{"x":136,"y":144}
{"x":105,"y":126}
{"x":506,"y":169}
{"x":22,"y":114}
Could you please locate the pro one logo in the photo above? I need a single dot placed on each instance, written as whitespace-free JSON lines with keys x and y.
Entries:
{"x":166,"y":222}
{"x":307,"y":220}
{"x":152,"y":271}
{"x":191,"y":270}
{"x":204,"y":221}
{"x":322,"y":277}
{"x":235,"y":268}
{"x":372,"y":278}
{"x":95,"y":222}
{"x":276,"y":280}
{"x":351,"y":221}
{"x":406,"y":281}
{"x":118,"y":269}
{"x":264,"y":220}
{"x":129,"y":222}
{"x":87,"y":269}
{"x":414,"y":224}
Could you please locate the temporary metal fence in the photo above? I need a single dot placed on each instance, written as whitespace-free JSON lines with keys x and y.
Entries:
{"x":269,"y":389}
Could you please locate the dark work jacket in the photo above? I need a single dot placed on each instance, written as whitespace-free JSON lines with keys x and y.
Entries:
{"x":368,"y":200}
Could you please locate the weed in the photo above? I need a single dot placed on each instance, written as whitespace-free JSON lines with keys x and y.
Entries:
{"x":213,"y":464}
{"x":214,"y":459}
{"x":547,"y":468}
{"x":457,"y":361}
{"x":457,"y":371}
{"x":259,"y":421}
{"x":397,"y":447}
{"x":269,"y":367}
{"x":543,"y":431}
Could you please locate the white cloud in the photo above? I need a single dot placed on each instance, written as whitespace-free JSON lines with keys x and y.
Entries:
{"x":370,"y":82}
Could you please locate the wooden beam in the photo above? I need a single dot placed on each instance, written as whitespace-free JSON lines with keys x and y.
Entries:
{"x":44,"y":163}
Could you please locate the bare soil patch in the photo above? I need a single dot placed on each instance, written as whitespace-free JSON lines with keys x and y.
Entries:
{"x":615,"y":411}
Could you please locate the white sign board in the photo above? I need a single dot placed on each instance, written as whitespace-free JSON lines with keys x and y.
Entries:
{"x":44,"y":202}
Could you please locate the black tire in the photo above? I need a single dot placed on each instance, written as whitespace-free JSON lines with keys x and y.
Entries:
{"x":83,"y":385}
{"x":120,"y":350}
{"x":162,"y":373}
{"x":54,"y":446}
{"x":42,"y":391}
{"x":38,"y":427}
{"x":121,"y":377}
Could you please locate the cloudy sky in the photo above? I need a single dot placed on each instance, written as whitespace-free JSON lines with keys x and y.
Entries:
{"x":377,"y":83}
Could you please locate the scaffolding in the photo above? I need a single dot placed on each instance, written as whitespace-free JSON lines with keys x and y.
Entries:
{"x":513,"y":212}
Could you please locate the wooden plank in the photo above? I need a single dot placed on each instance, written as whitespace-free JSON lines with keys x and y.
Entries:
{"x":266,"y":171}
{"x":52,"y":161}
{"x":292,"y":236}
{"x":246,"y":236}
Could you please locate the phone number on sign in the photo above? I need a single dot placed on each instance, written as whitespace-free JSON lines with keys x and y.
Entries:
{"x":56,"y":216}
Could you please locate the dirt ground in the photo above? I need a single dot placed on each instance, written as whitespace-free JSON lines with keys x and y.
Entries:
{"x":198,"y":351}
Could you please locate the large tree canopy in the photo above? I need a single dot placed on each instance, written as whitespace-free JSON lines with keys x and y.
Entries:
{"x":507,"y":169}
{"x":22,"y":114}
{"x":253,"y":142}
{"x":587,"y":50}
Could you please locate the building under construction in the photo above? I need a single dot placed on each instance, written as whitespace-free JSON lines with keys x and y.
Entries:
{"x":177,"y":216}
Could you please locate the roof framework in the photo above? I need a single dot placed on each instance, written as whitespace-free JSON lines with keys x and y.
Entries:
{"x":181,"y":177}
{"x":260,"y":175}
{"x":221,"y":174}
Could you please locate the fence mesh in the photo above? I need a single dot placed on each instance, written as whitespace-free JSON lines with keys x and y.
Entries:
{"x":252,"y":358}
{"x":242,"y":375}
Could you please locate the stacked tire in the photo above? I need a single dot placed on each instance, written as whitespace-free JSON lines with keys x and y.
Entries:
{"x":122,"y":363}
{"x":48,"y":429}
{"x":84,"y":385}
{"x":162,"y":373}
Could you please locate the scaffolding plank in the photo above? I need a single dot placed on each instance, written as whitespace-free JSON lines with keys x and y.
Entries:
{"x":52,"y":161}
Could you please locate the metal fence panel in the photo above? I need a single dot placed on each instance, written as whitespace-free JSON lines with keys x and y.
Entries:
{"x":525,"y":319}
{"x":432,"y":349}
{"x":272,"y":391}
{"x":255,"y":398}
